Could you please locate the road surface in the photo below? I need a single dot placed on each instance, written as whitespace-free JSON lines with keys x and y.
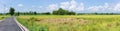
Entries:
{"x":9,"y":24}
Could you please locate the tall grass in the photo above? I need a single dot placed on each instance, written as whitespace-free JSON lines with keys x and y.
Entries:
{"x":92,"y":23}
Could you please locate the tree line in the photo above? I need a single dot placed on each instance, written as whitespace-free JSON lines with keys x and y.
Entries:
{"x":60,"y":11}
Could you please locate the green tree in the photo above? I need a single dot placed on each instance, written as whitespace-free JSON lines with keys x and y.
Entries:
{"x":55,"y":13}
{"x":95,"y":13}
{"x":11,"y":11}
{"x":71,"y":13}
{"x":47,"y":13}
{"x":60,"y":11}
{"x":35,"y":13}
{"x":18,"y":13}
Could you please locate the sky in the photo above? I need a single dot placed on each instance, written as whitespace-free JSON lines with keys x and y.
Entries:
{"x":79,"y":6}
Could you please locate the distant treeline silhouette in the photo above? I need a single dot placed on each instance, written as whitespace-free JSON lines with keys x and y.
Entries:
{"x":60,"y":11}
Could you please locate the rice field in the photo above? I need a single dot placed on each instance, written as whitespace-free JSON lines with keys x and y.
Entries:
{"x":71,"y":22}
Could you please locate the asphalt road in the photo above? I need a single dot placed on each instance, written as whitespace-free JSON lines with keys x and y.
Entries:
{"x":9,"y":24}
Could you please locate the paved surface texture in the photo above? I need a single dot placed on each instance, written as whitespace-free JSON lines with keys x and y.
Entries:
{"x":9,"y":24}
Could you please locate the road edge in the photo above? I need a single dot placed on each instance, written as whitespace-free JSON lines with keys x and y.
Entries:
{"x":0,"y":20}
{"x":20,"y":25}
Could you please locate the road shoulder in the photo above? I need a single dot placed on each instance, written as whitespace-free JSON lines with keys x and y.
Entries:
{"x":20,"y":25}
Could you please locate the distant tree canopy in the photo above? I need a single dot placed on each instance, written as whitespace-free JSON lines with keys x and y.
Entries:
{"x":11,"y":11}
{"x":30,"y":13}
{"x":47,"y":13}
{"x":17,"y":13}
{"x":61,"y":11}
{"x":35,"y":13}
{"x":71,"y":13}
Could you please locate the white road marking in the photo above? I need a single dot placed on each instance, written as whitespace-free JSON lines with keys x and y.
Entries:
{"x":21,"y":26}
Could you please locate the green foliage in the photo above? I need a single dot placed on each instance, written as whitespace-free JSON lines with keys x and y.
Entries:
{"x":31,"y":25}
{"x":11,"y":11}
{"x":43,"y":28}
{"x":46,"y":13}
{"x":71,"y":13}
{"x":4,"y":16}
{"x":61,"y":11}
{"x":35,"y":13}
{"x":17,"y":13}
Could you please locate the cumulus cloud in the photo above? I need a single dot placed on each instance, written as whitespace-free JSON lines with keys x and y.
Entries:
{"x":68,"y":5}
{"x":117,"y":7}
{"x":4,"y":10}
{"x":73,"y":5}
{"x":94,"y":8}
{"x":65,"y":5}
{"x":80,"y":7}
{"x":52,"y":7}
{"x":20,"y":5}
{"x":104,"y":7}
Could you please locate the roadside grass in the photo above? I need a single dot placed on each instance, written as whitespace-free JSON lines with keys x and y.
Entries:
{"x":71,"y":22}
{"x":4,"y":16}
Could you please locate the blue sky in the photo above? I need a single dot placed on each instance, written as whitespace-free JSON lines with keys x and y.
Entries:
{"x":79,"y":6}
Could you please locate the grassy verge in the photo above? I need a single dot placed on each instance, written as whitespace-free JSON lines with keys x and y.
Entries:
{"x":75,"y":23}
{"x":3,"y":16}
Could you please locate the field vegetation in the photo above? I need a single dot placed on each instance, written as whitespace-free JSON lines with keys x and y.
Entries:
{"x":71,"y":22}
{"x":4,"y":16}
{"x":66,"y":20}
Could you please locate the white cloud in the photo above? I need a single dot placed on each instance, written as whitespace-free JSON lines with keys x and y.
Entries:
{"x":73,"y":5}
{"x":93,"y":8}
{"x":40,"y":6}
{"x":65,"y":5}
{"x":20,"y":5}
{"x":68,"y":5}
{"x":52,"y":7}
{"x":4,"y":10}
{"x":80,"y":7}
{"x":104,"y":7}
{"x":117,"y":7}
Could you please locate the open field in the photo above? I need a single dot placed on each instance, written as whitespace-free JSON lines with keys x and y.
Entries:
{"x":71,"y":22}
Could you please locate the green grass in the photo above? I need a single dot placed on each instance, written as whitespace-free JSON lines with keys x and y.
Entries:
{"x":92,"y":23}
{"x":3,"y":16}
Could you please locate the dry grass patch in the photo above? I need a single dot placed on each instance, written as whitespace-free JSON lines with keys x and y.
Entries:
{"x":70,"y":21}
